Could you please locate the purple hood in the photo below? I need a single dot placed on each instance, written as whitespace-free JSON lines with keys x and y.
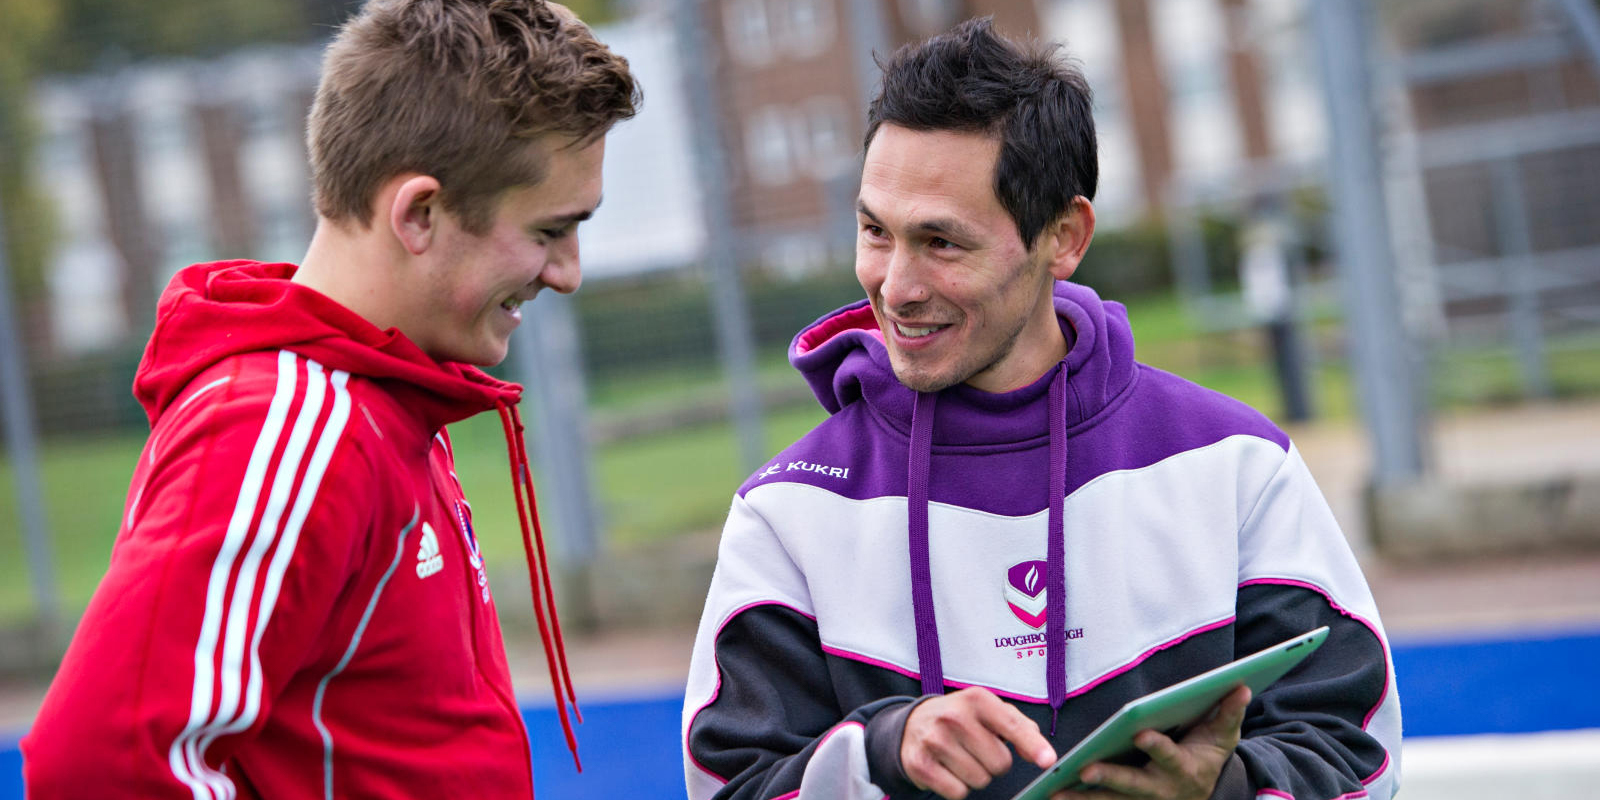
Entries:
{"x":843,"y":358}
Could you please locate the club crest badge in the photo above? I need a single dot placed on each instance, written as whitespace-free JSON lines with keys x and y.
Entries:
{"x":1025,"y":592}
{"x":474,"y":555}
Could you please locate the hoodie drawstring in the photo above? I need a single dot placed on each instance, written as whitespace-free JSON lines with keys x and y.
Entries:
{"x":555,"y":651}
{"x":920,"y":458}
{"x":921,"y":454}
{"x":1055,"y":634}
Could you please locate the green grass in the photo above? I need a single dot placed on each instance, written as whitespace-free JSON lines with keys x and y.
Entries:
{"x":661,"y":485}
{"x":85,"y":483}
{"x":1235,"y":361}
{"x":640,"y":392}
{"x":649,"y":487}
{"x":1492,"y":375}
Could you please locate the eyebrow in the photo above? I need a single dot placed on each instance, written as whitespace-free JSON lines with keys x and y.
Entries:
{"x":945,"y":226}
{"x":568,"y":219}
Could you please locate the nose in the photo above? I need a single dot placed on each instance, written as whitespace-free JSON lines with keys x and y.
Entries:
{"x":903,"y":281}
{"x":562,"y":271}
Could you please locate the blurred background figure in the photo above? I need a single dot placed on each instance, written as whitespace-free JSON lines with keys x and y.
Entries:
{"x":1264,"y":285}
{"x":1426,"y":172}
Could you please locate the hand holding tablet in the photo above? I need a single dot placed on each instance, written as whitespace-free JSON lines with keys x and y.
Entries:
{"x":1171,"y":711}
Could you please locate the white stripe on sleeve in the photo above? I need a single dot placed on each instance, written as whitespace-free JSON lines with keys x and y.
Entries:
{"x":238,"y":697}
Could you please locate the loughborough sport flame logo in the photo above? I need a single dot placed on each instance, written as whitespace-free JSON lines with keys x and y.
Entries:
{"x":1025,"y":592}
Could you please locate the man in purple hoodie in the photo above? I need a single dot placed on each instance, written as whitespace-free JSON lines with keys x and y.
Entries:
{"x":1008,"y":527}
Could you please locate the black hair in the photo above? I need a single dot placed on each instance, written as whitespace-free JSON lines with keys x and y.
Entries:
{"x":971,"y":79}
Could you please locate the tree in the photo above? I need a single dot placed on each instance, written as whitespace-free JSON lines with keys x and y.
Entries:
{"x":29,"y":228}
{"x":103,"y":34}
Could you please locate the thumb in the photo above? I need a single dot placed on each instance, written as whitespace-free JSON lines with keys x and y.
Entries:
{"x":1223,"y":727}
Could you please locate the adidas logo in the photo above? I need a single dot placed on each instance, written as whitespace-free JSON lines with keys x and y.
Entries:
{"x":429,"y":561}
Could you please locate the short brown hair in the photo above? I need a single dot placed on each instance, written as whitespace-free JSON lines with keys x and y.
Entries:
{"x":456,"y":89}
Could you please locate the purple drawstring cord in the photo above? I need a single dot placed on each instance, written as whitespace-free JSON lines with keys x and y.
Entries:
{"x":1055,"y":638}
{"x":920,"y":458}
{"x":921,"y":454}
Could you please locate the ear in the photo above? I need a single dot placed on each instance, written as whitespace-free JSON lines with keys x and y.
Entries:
{"x":414,"y":211}
{"x":1069,"y":237}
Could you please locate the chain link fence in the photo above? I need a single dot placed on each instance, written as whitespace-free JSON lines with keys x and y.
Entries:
{"x":140,"y":160}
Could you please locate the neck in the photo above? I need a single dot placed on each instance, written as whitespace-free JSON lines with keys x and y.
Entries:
{"x":346,"y":265}
{"x":1038,"y":347}
{"x":1038,"y":360}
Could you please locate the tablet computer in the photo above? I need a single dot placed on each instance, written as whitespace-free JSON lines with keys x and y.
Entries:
{"x":1171,"y":710}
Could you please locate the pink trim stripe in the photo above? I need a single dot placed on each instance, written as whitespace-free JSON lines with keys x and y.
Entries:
{"x":1001,"y":692}
{"x":835,"y":729}
{"x":1222,"y":623}
{"x":873,"y":662}
{"x":1382,"y":768}
{"x":1387,"y":674}
{"x":870,"y":661}
{"x":1140,"y":659}
{"x":1346,"y":612}
{"x":1287,"y":796}
{"x":718,"y":688}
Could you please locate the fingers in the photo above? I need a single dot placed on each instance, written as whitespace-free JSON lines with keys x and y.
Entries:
{"x":957,"y":742}
{"x":1186,"y":769}
{"x":1140,"y":782}
{"x":1223,"y":728}
{"x":927,"y":771}
{"x":944,"y":749}
{"x":1010,"y":724}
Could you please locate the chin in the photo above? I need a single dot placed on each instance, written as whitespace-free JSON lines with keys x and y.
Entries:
{"x":922,"y":381}
{"x":486,"y":357}
{"x":489,"y":360}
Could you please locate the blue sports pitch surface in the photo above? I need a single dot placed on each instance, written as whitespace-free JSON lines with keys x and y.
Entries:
{"x":1448,"y":687}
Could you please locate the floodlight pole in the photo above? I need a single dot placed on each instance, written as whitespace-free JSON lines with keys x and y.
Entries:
{"x":729,"y":306}
{"x":548,"y":358}
{"x":1382,"y":352}
{"x":17,"y":409}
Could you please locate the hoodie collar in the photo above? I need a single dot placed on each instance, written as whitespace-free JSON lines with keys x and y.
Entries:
{"x":843,"y":358}
{"x":212,"y":311}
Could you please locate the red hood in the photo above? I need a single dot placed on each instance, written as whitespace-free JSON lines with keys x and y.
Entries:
{"x":212,"y":311}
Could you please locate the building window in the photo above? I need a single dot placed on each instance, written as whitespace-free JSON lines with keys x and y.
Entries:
{"x":827,"y":136}
{"x":929,"y":17}
{"x":809,"y":26}
{"x":767,"y":146}
{"x":749,"y":30}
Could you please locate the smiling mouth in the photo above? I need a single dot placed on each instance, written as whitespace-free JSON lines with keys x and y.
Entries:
{"x":917,"y":332}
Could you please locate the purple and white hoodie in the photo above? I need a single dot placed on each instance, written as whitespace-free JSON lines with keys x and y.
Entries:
{"x":1107,"y":531}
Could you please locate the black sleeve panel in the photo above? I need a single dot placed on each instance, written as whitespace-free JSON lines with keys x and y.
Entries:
{"x":773,"y":704}
{"x":1233,"y":783}
{"x":1305,"y":735}
{"x":884,"y":733}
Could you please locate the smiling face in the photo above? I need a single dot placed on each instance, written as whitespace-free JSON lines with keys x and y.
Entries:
{"x":956,"y":292}
{"x":469,"y":290}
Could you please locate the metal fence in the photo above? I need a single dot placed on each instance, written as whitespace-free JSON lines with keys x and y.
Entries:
{"x":1486,"y":126}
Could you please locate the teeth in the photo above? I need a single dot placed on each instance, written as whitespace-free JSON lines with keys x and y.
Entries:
{"x":915,"y":333}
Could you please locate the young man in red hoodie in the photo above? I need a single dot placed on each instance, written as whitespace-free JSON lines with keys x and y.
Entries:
{"x":296,"y":605}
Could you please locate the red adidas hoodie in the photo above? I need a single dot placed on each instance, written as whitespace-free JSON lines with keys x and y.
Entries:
{"x":296,"y":605}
